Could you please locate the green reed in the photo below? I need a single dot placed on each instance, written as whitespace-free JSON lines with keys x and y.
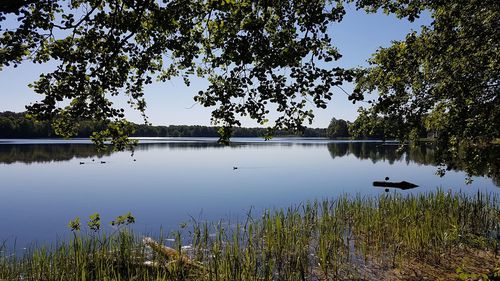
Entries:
{"x":320,"y":240}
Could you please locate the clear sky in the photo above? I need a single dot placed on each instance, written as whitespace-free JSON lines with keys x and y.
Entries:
{"x":171,"y":103}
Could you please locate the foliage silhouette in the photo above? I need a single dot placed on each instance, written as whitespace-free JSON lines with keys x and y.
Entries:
{"x":104,"y":48}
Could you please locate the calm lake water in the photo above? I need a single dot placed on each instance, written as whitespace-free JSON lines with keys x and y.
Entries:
{"x":168,"y":181}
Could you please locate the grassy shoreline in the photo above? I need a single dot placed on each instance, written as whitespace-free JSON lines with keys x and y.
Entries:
{"x":432,"y":235}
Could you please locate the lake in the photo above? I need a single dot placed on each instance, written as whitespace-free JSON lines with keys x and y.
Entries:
{"x":46,"y":183}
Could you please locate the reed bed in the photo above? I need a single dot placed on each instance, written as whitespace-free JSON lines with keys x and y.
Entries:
{"x":350,"y":237}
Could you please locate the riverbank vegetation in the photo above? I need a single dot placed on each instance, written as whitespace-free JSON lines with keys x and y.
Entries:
{"x":438,"y":235}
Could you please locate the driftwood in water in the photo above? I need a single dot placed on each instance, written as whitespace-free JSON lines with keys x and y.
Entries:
{"x":170,"y":254}
{"x":401,"y":185}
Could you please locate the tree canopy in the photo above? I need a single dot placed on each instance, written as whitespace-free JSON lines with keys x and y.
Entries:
{"x":338,"y":128}
{"x":253,"y":53}
{"x":444,"y":79}
{"x":257,"y":56}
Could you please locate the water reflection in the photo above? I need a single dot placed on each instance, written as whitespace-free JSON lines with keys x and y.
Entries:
{"x":27,"y":153}
{"x":45,"y":153}
{"x":489,"y":165}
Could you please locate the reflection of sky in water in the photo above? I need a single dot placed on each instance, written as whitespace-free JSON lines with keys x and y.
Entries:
{"x":169,"y":183}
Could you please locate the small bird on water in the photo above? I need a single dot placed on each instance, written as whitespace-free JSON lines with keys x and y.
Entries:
{"x":234,"y":168}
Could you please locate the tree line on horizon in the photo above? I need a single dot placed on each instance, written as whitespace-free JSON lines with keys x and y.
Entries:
{"x":17,"y":125}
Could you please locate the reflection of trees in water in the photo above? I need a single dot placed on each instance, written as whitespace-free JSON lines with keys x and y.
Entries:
{"x":477,"y":161}
{"x":42,"y":153}
{"x":366,"y":151}
{"x":484,"y":163}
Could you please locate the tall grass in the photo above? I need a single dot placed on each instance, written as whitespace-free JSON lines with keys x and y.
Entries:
{"x":320,"y":240}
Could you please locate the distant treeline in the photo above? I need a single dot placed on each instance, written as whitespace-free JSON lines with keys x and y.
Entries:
{"x":15,"y":125}
{"x":210,"y":131}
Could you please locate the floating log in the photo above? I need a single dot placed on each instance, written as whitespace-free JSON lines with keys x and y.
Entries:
{"x":401,"y":185}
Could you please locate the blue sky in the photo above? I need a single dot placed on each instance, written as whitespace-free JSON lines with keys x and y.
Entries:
{"x":171,"y":103}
